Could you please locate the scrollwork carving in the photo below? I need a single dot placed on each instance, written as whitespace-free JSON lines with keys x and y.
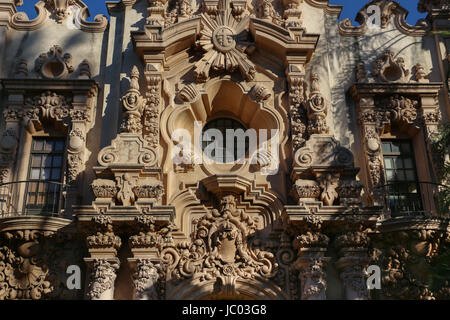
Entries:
{"x":219,"y":247}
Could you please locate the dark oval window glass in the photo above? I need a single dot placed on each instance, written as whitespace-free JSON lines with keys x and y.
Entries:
{"x":230,"y":151}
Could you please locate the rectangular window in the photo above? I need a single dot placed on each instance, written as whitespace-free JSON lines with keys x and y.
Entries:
{"x":402,"y":187}
{"x":43,"y":190}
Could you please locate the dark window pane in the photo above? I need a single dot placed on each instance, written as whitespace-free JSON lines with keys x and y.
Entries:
{"x":410,"y":175}
{"x":395,"y":147}
{"x":56,"y":174}
{"x":57,"y":161}
{"x":59,"y":146}
{"x":46,"y":161}
{"x":406,"y":148}
{"x":386,"y":147}
{"x":398,"y":163}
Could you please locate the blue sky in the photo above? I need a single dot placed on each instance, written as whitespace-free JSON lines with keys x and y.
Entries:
{"x":351,"y":7}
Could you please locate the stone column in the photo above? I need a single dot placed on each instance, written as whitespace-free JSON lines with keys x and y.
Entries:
{"x":145,"y":277}
{"x":103,"y":273}
{"x":353,"y":263}
{"x":312,"y":276}
{"x":371,"y":140}
{"x":103,"y":262}
{"x":146,"y":247}
{"x":311,"y":262}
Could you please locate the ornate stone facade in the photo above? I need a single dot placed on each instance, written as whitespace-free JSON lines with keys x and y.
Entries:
{"x":145,"y":214}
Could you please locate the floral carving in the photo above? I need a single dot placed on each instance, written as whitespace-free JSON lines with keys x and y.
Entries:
{"x":103,"y":188}
{"x":312,"y":276}
{"x":104,"y":238}
{"x":149,"y":190}
{"x":151,"y":110}
{"x":297,"y":108}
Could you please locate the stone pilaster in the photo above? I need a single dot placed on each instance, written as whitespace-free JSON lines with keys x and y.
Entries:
{"x":103,"y":262}
{"x":311,"y":263}
{"x":353,"y":263}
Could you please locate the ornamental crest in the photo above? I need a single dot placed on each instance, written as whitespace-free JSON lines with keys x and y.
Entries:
{"x":219,"y":247}
{"x":225,"y":43}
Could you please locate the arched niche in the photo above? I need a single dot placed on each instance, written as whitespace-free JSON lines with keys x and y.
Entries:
{"x":223,"y":98}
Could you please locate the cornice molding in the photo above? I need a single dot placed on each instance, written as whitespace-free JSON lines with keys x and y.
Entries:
{"x":371,"y":89}
{"x":41,"y":223}
{"x":330,"y":9}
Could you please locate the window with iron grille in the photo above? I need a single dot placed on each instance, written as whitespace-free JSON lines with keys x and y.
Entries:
{"x":224,"y":124}
{"x":43,"y":190}
{"x":401,"y":178}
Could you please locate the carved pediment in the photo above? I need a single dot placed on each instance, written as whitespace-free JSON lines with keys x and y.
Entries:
{"x":126,"y":150}
{"x":59,"y":10}
{"x":379,"y":14}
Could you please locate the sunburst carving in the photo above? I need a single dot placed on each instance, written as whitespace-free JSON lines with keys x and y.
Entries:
{"x":225,"y":43}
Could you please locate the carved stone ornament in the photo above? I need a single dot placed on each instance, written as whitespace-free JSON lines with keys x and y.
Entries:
{"x":225,"y":43}
{"x":329,"y":183}
{"x":317,"y":109}
{"x":219,"y":248}
{"x":127,"y":149}
{"x":145,"y":279}
{"x":305,"y":190}
{"x":389,"y":10}
{"x":297,"y":107}
{"x":61,"y":11}
{"x":104,"y":189}
{"x":55,"y":64}
{"x":189,"y":93}
{"x":133,"y":105}
{"x":323,"y":151}
{"x":389,"y":68}
{"x":312,"y":275}
{"x":260,"y":93}
{"x":149,"y":189}
{"x":102,"y":277}
{"x":21,"y":277}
